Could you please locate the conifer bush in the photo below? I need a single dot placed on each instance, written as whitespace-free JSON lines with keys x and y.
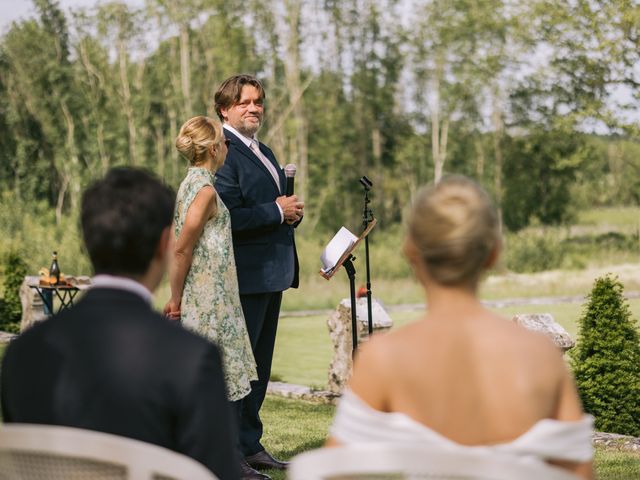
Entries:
{"x":15,"y":270}
{"x":606,"y":360}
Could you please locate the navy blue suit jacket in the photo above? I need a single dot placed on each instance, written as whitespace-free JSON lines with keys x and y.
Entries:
{"x":264,"y":246}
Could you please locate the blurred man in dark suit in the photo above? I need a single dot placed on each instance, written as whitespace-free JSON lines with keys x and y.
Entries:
{"x":111,"y":363}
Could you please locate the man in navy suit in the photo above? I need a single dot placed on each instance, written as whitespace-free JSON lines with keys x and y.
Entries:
{"x":113,"y":364}
{"x":251,"y":183}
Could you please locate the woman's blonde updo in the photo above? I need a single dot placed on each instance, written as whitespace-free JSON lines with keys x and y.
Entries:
{"x":196,"y":137}
{"x":454,"y":227}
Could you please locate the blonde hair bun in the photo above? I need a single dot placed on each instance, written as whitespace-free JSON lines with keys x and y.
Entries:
{"x":185,"y":146}
{"x":196,"y":136}
{"x":454,"y":226}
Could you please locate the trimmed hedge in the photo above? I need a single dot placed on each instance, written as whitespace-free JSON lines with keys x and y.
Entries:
{"x":15,"y":270}
{"x":606,"y":360}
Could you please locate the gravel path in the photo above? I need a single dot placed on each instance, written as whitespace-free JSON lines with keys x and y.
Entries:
{"x":506,"y":302}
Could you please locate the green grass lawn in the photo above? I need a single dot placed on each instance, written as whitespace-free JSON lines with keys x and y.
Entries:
{"x":620,"y":218}
{"x":303,"y":347}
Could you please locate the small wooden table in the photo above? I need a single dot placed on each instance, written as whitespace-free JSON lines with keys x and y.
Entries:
{"x":64,"y":293}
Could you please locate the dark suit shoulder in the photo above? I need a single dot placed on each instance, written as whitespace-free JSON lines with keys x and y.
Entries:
{"x":105,"y":321}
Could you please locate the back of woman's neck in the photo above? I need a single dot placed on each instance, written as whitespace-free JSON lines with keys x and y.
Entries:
{"x":445,"y":300}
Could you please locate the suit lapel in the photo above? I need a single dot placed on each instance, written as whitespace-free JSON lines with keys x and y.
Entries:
{"x":246,"y":151}
{"x":267,"y":153}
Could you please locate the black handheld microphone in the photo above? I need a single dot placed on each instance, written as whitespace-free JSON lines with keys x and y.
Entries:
{"x":289,"y":173}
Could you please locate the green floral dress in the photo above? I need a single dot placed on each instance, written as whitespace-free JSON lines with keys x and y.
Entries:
{"x":210,"y":300}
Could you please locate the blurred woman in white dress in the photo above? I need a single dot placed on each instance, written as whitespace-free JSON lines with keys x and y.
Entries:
{"x":462,"y":377}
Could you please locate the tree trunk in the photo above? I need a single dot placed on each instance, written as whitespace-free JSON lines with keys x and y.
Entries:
{"x":299,"y":151}
{"x":176,"y":172}
{"x":96,"y":90}
{"x":480,"y":158}
{"x":439,"y":128}
{"x":71,"y":167}
{"x":185,"y":70}
{"x":104,"y":158}
{"x":60,"y":200}
{"x":159,"y":142}
{"x":126,"y":100}
{"x":498,"y":132}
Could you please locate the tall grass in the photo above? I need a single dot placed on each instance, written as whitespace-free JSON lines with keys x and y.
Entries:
{"x":616,"y":218}
{"x":31,"y":231}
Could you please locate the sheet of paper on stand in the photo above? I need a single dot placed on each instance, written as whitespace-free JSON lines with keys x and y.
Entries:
{"x":339,"y":244}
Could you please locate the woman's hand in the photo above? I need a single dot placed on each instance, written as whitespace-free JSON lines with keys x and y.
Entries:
{"x":172,"y":310}
{"x":199,"y":212}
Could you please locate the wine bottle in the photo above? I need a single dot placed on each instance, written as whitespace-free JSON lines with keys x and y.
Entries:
{"x":54,"y":270}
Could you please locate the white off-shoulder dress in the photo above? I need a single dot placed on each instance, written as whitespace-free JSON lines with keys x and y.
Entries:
{"x":356,"y":422}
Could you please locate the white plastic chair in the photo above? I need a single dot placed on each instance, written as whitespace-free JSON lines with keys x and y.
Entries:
{"x":397,"y":461}
{"x":39,"y":452}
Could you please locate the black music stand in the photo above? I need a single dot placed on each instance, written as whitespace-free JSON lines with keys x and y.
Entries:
{"x":346,"y":260}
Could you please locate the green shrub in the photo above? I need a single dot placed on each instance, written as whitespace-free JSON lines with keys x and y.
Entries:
{"x":606,"y":361}
{"x":529,"y":252}
{"x":15,"y":270}
{"x":31,"y":227}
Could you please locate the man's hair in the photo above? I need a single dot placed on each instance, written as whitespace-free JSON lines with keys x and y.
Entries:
{"x":229,"y":92}
{"x":123,"y":216}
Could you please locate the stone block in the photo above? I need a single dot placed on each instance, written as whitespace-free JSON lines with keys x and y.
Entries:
{"x":339,"y":323}
{"x":32,"y":305}
{"x":544,"y":323}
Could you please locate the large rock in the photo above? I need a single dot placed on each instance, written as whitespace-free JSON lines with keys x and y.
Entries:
{"x":339,"y":324}
{"x":32,"y":305}
{"x":544,"y":323}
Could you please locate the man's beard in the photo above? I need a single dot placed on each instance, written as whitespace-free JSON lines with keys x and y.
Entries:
{"x":249,"y":129}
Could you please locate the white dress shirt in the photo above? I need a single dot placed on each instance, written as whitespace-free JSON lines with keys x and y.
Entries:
{"x":254,"y":146}
{"x":122,"y":283}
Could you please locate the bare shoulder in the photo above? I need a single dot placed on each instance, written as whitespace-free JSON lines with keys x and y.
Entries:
{"x":206,"y":197}
{"x":534,"y":344}
{"x":380,"y":349}
{"x":536,"y":340}
{"x":387,"y":343}
{"x":374,"y":350}
{"x":373,"y":370}
{"x":206,"y":194}
{"x":203,"y":206}
{"x":384,"y":352}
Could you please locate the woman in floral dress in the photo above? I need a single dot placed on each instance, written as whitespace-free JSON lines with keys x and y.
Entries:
{"x":203,"y":278}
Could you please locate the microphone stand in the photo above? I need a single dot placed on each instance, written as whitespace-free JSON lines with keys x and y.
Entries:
{"x":367,"y":217}
{"x":351,"y":273}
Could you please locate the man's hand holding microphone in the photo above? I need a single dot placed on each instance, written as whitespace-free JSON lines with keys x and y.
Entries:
{"x":292,"y":209}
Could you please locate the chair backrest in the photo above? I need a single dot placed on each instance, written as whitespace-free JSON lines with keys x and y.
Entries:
{"x":398,"y":461}
{"x":39,"y":452}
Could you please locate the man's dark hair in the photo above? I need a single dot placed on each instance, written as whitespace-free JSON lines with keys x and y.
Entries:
{"x":228,"y":94}
{"x":123,"y":216}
